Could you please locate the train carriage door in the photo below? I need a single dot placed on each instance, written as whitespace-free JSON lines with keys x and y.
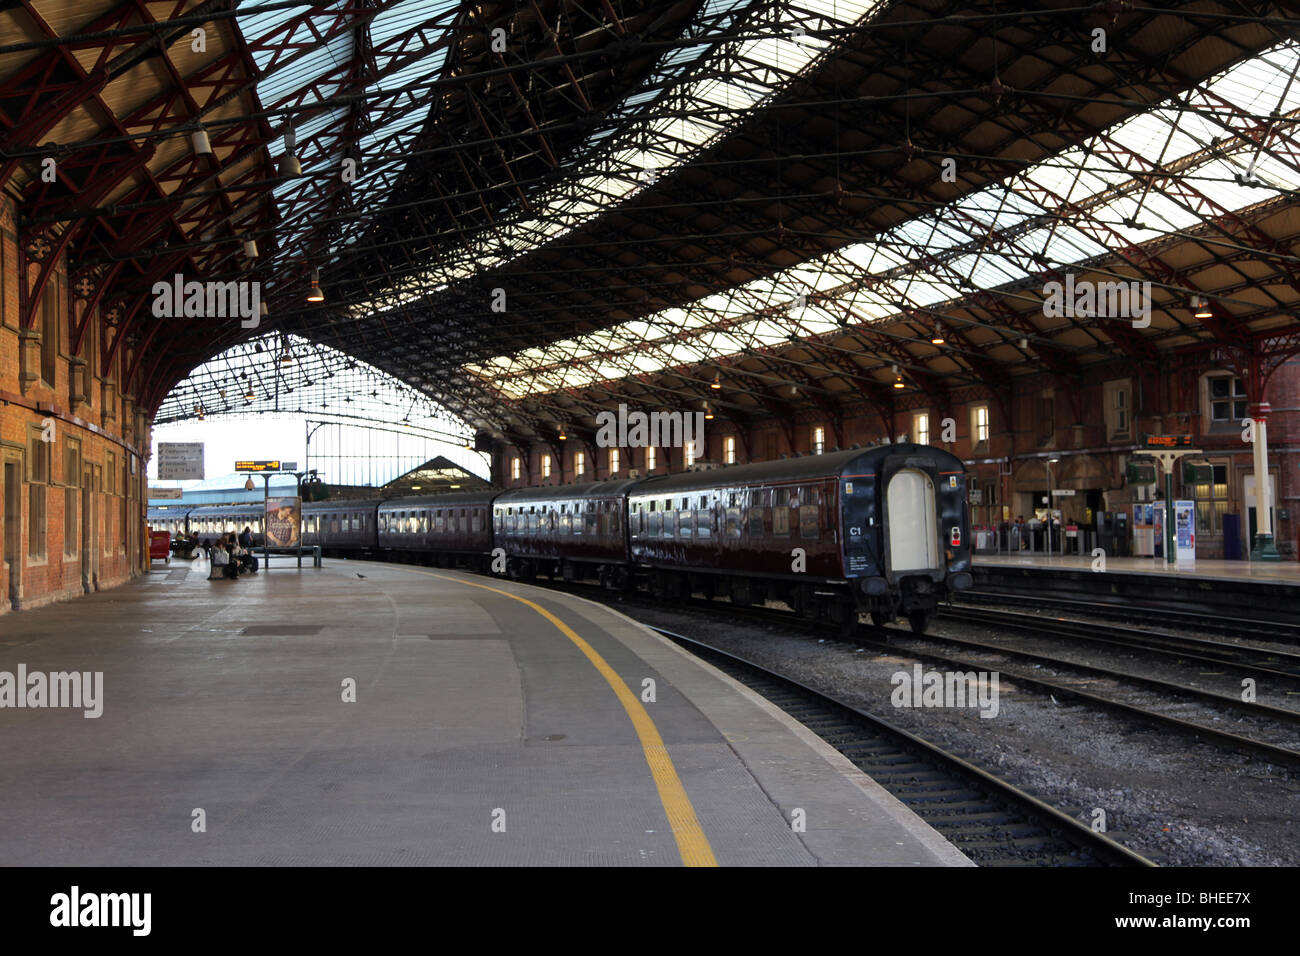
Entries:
{"x":913,"y":538}
{"x":859,"y":522}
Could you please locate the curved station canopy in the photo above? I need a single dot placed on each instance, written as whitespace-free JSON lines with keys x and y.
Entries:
{"x":529,"y":212}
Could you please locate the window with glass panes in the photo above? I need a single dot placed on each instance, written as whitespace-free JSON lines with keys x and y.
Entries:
{"x":921,"y":428}
{"x":1227,"y":399}
{"x":1211,"y":501}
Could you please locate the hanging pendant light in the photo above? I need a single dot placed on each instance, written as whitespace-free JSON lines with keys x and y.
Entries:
{"x":315,"y":294}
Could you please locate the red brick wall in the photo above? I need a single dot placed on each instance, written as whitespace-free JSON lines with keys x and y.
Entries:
{"x":105,"y":443}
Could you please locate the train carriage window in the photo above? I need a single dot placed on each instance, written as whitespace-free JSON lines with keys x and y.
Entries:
{"x":592,"y":519}
{"x":810,"y":521}
{"x":733,"y":521}
{"x":476,"y":524}
{"x":781,"y":520}
{"x":670,"y":521}
{"x":424,"y":521}
{"x":566,"y":523}
{"x":532,"y":522}
{"x":756,"y":527}
{"x":654,"y":522}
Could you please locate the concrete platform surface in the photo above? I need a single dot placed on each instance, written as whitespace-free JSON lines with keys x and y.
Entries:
{"x":1268,"y":572}
{"x":365,"y":713}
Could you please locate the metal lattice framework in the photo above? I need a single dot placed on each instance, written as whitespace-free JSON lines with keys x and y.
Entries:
{"x":530,"y":211}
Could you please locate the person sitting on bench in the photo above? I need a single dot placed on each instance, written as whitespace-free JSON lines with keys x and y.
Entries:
{"x":221,"y":558}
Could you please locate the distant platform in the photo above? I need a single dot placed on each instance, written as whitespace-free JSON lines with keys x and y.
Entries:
{"x":1236,"y":590}
{"x":374,"y":714}
{"x":1284,"y":572}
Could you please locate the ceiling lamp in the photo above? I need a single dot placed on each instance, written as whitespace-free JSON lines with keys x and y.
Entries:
{"x":717,"y":381}
{"x":708,"y":412}
{"x":202,"y":144}
{"x":937,"y":337}
{"x":563,"y":437}
{"x":315,"y":295}
{"x":289,"y":165}
{"x":898,"y":377}
{"x":248,"y":485}
{"x":1201,"y":307}
{"x":249,"y":395}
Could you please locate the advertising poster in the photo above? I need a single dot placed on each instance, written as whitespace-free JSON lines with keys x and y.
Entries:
{"x":283,"y":522}
{"x":1185,"y":531}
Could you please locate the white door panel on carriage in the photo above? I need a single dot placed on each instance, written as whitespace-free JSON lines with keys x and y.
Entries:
{"x":913,"y":541}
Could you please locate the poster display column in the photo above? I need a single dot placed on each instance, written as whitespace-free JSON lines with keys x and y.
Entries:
{"x":1185,"y":532}
{"x":283,"y":525}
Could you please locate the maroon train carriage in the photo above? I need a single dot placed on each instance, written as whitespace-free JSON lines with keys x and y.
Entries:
{"x":447,"y":530}
{"x":343,"y":528}
{"x":882,"y":530}
{"x":568,"y":531}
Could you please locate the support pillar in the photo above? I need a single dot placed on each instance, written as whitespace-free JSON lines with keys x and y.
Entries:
{"x":1263,"y":548}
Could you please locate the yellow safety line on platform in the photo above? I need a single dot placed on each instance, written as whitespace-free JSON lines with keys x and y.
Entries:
{"x":692,"y":844}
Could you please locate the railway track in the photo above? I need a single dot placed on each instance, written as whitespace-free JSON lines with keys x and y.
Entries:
{"x":1100,"y":606}
{"x":1168,"y":711}
{"x":1250,"y":659}
{"x":1173,"y":715}
{"x":990,"y":820}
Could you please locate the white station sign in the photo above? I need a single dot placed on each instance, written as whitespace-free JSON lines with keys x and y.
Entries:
{"x":180,"y":461}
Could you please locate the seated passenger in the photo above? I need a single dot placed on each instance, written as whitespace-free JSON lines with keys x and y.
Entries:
{"x":221,"y":559}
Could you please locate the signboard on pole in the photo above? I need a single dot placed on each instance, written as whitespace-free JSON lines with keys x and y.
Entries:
{"x":283,"y":522}
{"x":1062,"y":492}
{"x":257,"y":465}
{"x":165,"y":493}
{"x":180,"y":461}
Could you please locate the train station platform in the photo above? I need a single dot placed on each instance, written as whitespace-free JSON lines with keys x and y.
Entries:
{"x":375,"y":714}
{"x":1265,"y":590}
